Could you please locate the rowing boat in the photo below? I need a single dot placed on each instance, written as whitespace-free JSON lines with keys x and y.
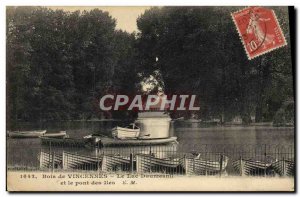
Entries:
{"x":204,"y":166}
{"x":46,"y":160}
{"x":80,"y":162}
{"x":130,"y":131}
{"x":251,"y":166}
{"x":116,"y":163}
{"x":26,"y":134}
{"x":149,"y":163}
{"x":284,"y":167}
{"x":107,"y":142}
{"x":104,"y":141}
{"x":60,"y":134}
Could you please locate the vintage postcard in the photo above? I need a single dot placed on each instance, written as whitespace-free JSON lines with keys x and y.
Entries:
{"x":150,"y":99}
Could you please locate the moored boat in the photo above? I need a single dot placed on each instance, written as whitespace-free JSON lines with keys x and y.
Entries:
{"x":80,"y":162}
{"x":130,"y":131}
{"x":251,"y":166}
{"x":60,"y":134}
{"x":109,"y":142}
{"x":196,"y":165}
{"x":46,"y":160}
{"x":284,"y":167}
{"x":149,"y":163}
{"x":116,"y":163}
{"x":192,"y":120}
{"x":26,"y":134}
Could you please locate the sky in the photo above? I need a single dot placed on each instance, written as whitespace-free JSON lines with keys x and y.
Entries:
{"x":125,"y":16}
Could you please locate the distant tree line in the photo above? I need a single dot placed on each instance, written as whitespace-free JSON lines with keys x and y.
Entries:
{"x":59,"y":63}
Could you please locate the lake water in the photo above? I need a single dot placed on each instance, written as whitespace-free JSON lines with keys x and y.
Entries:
{"x":232,"y":141}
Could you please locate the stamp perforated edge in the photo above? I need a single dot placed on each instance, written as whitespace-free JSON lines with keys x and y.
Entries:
{"x":244,"y":45}
{"x":237,"y":29}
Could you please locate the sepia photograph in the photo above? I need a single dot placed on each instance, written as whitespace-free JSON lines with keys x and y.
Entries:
{"x":150,"y":99}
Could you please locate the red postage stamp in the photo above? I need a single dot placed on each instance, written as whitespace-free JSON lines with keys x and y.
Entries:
{"x":259,"y":30}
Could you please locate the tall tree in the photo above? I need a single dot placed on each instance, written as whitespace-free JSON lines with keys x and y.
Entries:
{"x":197,"y":50}
{"x":59,"y":62}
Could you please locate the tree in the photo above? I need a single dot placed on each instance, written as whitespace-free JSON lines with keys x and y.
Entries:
{"x":59,"y":63}
{"x":199,"y":52}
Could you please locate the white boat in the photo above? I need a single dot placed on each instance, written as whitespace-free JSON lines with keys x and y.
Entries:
{"x":80,"y":162}
{"x":251,"y":166}
{"x":26,"y":134}
{"x":46,"y":160}
{"x":115,"y":163}
{"x":97,"y":141}
{"x":204,"y":166}
{"x":60,"y":134}
{"x":149,"y":163}
{"x":284,"y":167}
{"x":131,"y":131}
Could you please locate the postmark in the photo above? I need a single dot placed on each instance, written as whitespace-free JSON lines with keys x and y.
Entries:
{"x":259,"y":30}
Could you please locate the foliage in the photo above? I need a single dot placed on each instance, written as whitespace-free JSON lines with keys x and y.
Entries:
{"x":199,"y":52}
{"x":59,"y":63}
